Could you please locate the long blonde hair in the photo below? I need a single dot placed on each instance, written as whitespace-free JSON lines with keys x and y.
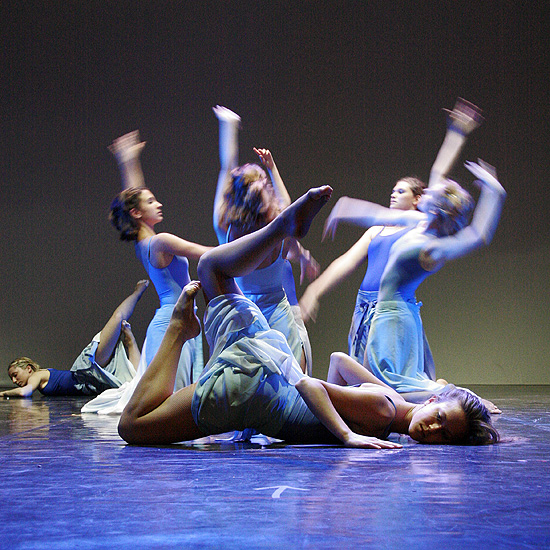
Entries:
{"x":452,"y":208}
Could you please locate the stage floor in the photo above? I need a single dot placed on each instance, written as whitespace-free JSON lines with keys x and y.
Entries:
{"x":68,"y":481}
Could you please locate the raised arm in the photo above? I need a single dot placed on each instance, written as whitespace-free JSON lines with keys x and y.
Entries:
{"x":229,"y":158}
{"x":127,"y":150}
{"x":486,"y":216}
{"x":278,"y":185}
{"x":462,"y":120}
{"x":323,"y":398}
{"x":334,"y":274}
{"x":367,"y":214}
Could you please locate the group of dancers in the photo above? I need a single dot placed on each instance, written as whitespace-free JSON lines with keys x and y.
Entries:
{"x":258,"y":377}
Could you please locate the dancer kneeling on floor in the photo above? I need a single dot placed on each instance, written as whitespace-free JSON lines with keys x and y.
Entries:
{"x":253,"y":381}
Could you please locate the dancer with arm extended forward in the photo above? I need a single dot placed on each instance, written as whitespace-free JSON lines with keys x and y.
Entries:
{"x":253,"y":381}
{"x":375,"y":244}
{"x":135,"y":212}
{"x":439,"y":233}
{"x":108,"y":361}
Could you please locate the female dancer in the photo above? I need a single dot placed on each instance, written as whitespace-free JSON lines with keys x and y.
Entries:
{"x":376,"y":242}
{"x":135,"y":212}
{"x":108,"y":361}
{"x":394,"y":346}
{"x":245,"y":201}
{"x":253,"y":381}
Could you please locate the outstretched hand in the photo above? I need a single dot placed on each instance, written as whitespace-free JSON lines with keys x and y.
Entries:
{"x":309,"y":306}
{"x":331,"y":222}
{"x":366,"y":442}
{"x":465,"y":117}
{"x":127,"y":147}
{"x":226,"y":115}
{"x":266,"y":157}
{"x":309,"y":267}
{"x":485,"y":174}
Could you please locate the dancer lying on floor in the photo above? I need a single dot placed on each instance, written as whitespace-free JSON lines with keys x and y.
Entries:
{"x":253,"y":381}
{"x":108,"y":361}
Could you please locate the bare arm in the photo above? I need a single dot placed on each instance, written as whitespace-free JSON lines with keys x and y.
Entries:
{"x":484,"y":222}
{"x":166,"y":243}
{"x":463,"y":119}
{"x":127,"y":150}
{"x":278,"y":185}
{"x":317,"y":397}
{"x":26,"y":391}
{"x":229,"y":158}
{"x":334,"y":274}
{"x":309,"y":267}
{"x":367,"y":214}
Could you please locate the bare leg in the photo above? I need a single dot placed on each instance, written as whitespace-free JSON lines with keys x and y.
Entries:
{"x":111,"y":331}
{"x":155,"y":415}
{"x":219,"y":266}
{"x":129,"y":341}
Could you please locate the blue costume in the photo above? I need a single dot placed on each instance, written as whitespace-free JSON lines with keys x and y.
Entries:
{"x":267,"y":288}
{"x":169,"y":282}
{"x":249,"y":381}
{"x":63,"y":382}
{"x":367,"y":297}
{"x":86,"y":377}
{"x":395,"y":345}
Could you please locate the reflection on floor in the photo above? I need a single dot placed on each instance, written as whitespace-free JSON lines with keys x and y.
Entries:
{"x":68,"y":481}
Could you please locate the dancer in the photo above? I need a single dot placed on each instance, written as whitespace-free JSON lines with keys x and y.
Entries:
{"x":394,"y":352}
{"x":135,"y":212}
{"x":376,"y":242}
{"x":253,"y":381}
{"x":108,"y":361}
{"x":245,"y":201}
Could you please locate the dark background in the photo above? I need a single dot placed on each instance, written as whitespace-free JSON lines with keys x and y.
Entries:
{"x":344,"y":93}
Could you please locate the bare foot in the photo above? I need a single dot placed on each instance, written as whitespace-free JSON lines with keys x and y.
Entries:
{"x":141,"y":287}
{"x":297,"y":217}
{"x":441,"y":381}
{"x":184,"y":310}
{"x":127,"y":334}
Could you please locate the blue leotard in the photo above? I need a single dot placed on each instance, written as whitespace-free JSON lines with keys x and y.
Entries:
{"x":63,"y":382}
{"x":367,"y":297}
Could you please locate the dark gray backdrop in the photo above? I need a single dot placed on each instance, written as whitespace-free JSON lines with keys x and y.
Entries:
{"x":345,"y":93}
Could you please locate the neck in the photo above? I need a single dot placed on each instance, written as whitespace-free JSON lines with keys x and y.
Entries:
{"x":145,"y":231}
{"x":403,"y":416}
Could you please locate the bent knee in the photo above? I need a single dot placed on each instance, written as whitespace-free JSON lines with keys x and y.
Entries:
{"x":127,"y":430}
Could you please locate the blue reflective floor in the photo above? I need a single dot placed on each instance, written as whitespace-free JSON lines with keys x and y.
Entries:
{"x":68,"y":481}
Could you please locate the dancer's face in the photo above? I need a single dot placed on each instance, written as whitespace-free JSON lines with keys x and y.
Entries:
{"x":150,"y":209}
{"x":402,"y":197}
{"x":438,"y":422}
{"x":430,"y":197}
{"x":19,"y":375}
